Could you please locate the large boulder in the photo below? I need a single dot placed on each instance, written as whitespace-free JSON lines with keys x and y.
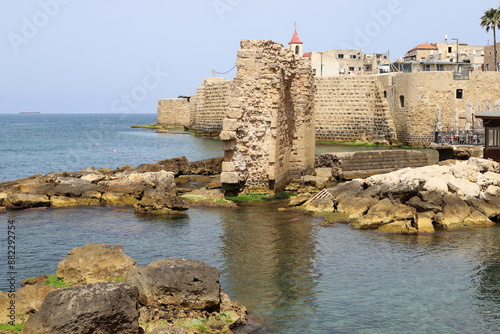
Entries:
{"x":178,"y":282}
{"x":454,"y":212}
{"x":25,"y":201}
{"x":100,"y":308}
{"x":178,"y":166}
{"x":93,"y":263}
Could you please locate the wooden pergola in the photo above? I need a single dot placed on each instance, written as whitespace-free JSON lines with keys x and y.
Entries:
{"x":491,"y":122}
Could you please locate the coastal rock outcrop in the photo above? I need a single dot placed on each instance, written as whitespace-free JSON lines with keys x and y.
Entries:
{"x":94,"y":263}
{"x":420,"y":200}
{"x":170,"y":295}
{"x":105,"y":308}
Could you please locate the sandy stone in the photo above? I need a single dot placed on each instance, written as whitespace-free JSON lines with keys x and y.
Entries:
{"x":423,"y":223}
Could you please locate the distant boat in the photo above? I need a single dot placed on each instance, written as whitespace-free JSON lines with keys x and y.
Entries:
{"x":29,"y":112}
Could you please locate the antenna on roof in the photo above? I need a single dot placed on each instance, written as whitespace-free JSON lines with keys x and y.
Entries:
{"x":446,"y":38}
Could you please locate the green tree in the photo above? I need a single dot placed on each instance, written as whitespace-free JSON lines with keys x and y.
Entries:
{"x":490,"y":21}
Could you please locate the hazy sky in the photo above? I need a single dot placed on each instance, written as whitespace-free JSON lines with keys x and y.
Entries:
{"x":111,"y":56}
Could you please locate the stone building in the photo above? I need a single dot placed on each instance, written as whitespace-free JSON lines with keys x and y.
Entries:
{"x":489,"y":57}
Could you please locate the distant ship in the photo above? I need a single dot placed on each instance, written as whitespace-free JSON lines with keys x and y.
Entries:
{"x":29,"y":112}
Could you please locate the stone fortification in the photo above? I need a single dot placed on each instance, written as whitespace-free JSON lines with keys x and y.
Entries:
{"x":209,"y":106}
{"x":268,"y":134}
{"x":349,"y":165}
{"x":174,"y":111}
{"x":352,"y":109}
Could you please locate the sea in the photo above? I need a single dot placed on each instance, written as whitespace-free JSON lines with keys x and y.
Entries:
{"x":293,"y":275}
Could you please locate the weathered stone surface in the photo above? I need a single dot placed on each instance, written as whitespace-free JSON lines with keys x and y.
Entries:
{"x":347,"y":189}
{"x":433,"y":197}
{"x":400,"y":227}
{"x":323,"y":172}
{"x":114,"y":198}
{"x":422,"y":206}
{"x":355,"y":206}
{"x":485,"y":165}
{"x":477,"y":218}
{"x":299,"y":199}
{"x":175,"y":281}
{"x":156,"y":202}
{"x":23,"y":201}
{"x":101,"y":308}
{"x":170,"y":330}
{"x":489,"y":210}
{"x":178,"y":166}
{"x":436,"y":183}
{"x":93,"y":263}
{"x":423,"y":222}
{"x":454,"y":212}
{"x":63,"y":201}
{"x":206,"y":167}
{"x":464,"y":188}
{"x":379,"y":214}
{"x":229,"y":177}
{"x":28,"y":300}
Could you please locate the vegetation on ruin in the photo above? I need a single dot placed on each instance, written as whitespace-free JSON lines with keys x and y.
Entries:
{"x":155,"y":126}
{"x":213,"y":324}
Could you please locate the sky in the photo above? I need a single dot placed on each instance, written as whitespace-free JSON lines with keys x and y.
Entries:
{"x":121,"y":56}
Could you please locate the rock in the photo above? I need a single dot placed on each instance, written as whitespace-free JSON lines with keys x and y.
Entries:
{"x":206,"y":167}
{"x":178,"y":166}
{"x":454,"y":212}
{"x":170,"y":330}
{"x":422,"y":206}
{"x":28,"y":300}
{"x":113,"y":198}
{"x":73,"y":190}
{"x":379,"y":214}
{"x":355,"y":206}
{"x":489,"y":179}
{"x":323,"y":172}
{"x":63,"y":201}
{"x":423,"y":222}
{"x":464,"y":188}
{"x":3,"y":209}
{"x":399,"y":227}
{"x":298,"y":200}
{"x":207,"y":198}
{"x":485,"y":165}
{"x":320,"y":205}
{"x":351,"y":188}
{"x":24,"y":201}
{"x":434,"y":197}
{"x":93,"y":308}
{"x":316,"y":181}
{"x":477,"y":218}
{"x":93,"y":263}
{"x":489,"y":210}
{"x":436,"y":183}
{"x":179,"y":282}
{"x":155,"y":202}
{"x":468,"y":172}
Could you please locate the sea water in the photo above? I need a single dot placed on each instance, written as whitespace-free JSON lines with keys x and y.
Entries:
{"x":292,"y":274}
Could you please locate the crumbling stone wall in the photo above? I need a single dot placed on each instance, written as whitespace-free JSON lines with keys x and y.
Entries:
{"x":268,"y":133}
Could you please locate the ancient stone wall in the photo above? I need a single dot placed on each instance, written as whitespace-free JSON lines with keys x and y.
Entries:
{"x":268,"y":134}
{"x":414,"y":97}
{"x":366,"y":163}
{"x":174,"y":111}
{"x":352,"y":109}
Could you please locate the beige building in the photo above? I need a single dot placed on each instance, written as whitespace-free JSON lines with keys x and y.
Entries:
{"x":458,"y":57}
{"x":489,"y":57}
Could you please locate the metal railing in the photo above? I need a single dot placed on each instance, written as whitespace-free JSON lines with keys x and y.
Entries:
{"x":464,"y":138}
{"x":461,"y":75}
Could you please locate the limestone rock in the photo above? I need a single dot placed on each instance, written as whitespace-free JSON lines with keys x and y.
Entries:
{"x":154,"y":202}
{"x":423,"y":223}
{"x":464,"y":188}
{"x":93,"y":308}
{"x":422,"y":206}
{"x":454,"y":212}
{"x":23,"y":201}
{"x":347,"y":189}
{"x":436,"y":183}
{"x":489,"y":210}
{"x":400,"y":227}
{"x":206,"y":167}
{"x":118,"y":198}
{"x":28,"y":301}
{"x":179,"y":166}
{"x":179,"y":282}
{"x":485,"y":165}
{"x":299,"y":199}
{"x":379,"y":214}
{"x":477,"y":218}
{"x":93,"y":263}
{"x":356,"y":206}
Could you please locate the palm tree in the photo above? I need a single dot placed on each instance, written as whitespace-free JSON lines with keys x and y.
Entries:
{"x":491,"y":20}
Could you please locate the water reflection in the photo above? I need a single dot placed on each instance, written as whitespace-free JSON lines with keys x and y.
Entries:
{"x":271,"y":258}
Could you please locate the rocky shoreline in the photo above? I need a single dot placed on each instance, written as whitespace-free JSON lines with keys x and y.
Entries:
{"x":110,"y":293}
{"x":416,"y":200}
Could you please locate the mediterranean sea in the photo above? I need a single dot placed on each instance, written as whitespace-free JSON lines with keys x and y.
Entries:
{"x":293,"y":275}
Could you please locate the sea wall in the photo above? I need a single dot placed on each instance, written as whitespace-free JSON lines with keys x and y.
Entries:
{"x":268,"y":132}
{"x":174,"y":111}
{"x":351,"y":165}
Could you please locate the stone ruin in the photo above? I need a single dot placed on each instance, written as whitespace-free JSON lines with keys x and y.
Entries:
{"x":268,"y":134}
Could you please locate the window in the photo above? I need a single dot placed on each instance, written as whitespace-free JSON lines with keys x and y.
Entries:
{"x":341,"y":56}
{"x":385,"y":94}
{"x":297,"y":50}
{"x":368,"y":67}
{"x":493,"y":137}
{"x":450,"y":50}
{"x":427,"y":68}
{"x":401,"y":101}
{"x":440,"y":67}
{"x":460,"y":93}
{"x":351,"y":68}
{"x":353,"y":56}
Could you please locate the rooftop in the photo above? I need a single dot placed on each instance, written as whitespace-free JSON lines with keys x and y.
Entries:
{"x":424,"y":46}
{"x":295,"y":39}
{"x":488,"y":114}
